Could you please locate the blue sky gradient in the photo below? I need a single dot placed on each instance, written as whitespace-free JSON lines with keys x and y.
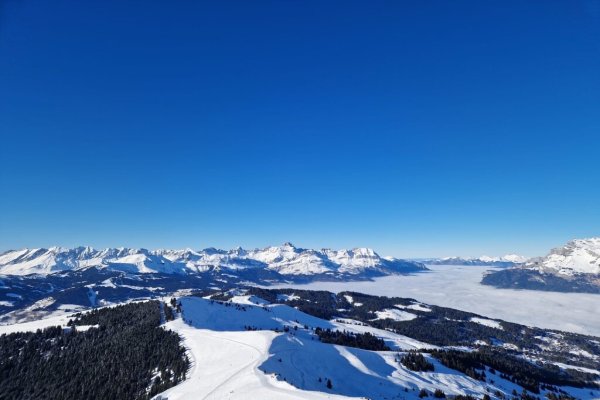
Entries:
{"x":416,"y":128}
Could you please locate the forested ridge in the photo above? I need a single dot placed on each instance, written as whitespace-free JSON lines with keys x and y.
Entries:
{"x":526,"y":374}
{"x":440,"y":326}
{"x":125,"y":355}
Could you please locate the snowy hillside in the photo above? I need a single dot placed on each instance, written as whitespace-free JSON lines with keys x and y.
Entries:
{"x":254,"y":343}
{"x":271,"y":364}
{"x":286,"y":260}
{"x":249,"y":348}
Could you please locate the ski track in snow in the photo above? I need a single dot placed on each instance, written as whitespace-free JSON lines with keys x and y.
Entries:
{"x":225,"y":366}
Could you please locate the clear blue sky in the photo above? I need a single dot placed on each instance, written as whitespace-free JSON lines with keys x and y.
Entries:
{"x":417,"y":128}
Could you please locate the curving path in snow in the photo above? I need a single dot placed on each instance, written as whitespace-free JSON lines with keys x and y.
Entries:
{"x":225,"y":366}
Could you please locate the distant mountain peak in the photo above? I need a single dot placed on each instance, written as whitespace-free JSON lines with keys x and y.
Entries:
{"x":577,"y":256}
{"x":508,"y":260}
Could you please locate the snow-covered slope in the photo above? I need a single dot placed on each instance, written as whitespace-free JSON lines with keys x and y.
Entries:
{"x":242,"y":350}
{"x":285,"y":260}
{"x":246,"y":347}
{"x":579,"y":256}
{"x":265,"y":364}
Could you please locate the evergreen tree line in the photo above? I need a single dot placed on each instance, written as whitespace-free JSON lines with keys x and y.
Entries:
{"x":366,"y":341}
{"x":415,"y":361}
{"x":127,"y":356}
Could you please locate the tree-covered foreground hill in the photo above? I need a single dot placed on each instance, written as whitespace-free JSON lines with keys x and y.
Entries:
{"x":125,"y":354}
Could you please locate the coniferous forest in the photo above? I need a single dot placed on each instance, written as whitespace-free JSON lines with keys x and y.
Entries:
{"x":415,"y":361}
{"x":365,"y":341}
{"x":526,"y":374}
{"x":124,"y":355}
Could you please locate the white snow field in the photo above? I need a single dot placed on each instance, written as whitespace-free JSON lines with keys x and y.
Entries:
{"x":225,"y":366}
{"x":459,"y":287}
{"x":32,"y":326}
{"x":59,"y":317}
{"x":396,"y":315}
{"x":230,"y":362}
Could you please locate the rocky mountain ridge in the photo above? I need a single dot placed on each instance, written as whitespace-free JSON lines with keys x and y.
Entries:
{"x":285,"y":260}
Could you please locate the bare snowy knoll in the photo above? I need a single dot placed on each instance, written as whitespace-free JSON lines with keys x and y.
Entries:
{"x":574,"y":267}
{"x":278,"y":342}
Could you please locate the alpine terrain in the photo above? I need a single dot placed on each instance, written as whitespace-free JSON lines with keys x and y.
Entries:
{"x":574,"y":267}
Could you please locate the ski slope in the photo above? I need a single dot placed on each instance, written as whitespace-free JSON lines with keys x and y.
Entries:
{"x":225,"y":366}
{"x":230,"y":362}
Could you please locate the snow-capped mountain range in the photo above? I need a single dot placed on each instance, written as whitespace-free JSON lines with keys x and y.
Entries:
{"x":285,"y":260}
{"x":41,"y":281}
{"x":508,"y":260}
